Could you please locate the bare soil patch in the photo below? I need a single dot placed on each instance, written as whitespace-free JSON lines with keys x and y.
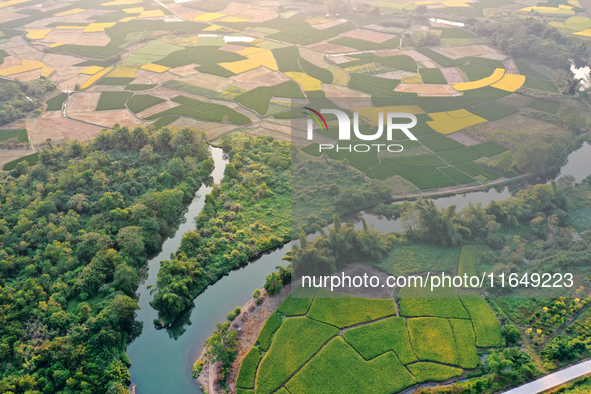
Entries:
{"x":98,"y":38}
{"x":342,"y":91}
{"x":10,"y":61}
{"x":463,"y":51}
{"x":63,"y":36}
{"x":326,"y":25}
{"x":261,"y":76}
{"x":83,"y":102}
{"x":452,"y":75}
{"x":463,"y":138}
{"x":70,"y":83}
{"x":424,"y":89}
{"x":368,"y":35}
{"x":234,"y":8}
{"x":232,"y":48}
{"x":208,"y":81}
{"x":314,"y":57}
{"x":109,"y":118}
{"x":398,"y":74}
{"x":157,"y":109}
{"x":53,"y":125}
{"x":8,"y":155}
{"x":184,"y":71}
{"x":327,"y":47}
{"x":27,"y":76}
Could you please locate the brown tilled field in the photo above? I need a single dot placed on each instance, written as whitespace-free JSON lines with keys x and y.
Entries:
{"x":53,"y":125}
{"x":368,"y":35}
{"x":427,"y":89}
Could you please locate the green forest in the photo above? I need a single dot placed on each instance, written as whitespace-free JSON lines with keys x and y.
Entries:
{"x":74,"y":230}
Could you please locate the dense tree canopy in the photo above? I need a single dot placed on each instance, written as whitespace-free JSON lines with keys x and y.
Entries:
{"x":73,"y":231}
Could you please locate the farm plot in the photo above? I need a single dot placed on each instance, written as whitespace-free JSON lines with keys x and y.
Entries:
{"x":258,"y":99}
{"x":376,"y":339}
{"x":468,"y":258}
{"x":337,"y":368}
{"x":200,"y":110}
{"x":432,"y":75}
{"x":140,"y":102}
{"x":113,"y":100}
{"x":290,"y":349}
{"x":494,"y":77}
{"x":255,"y":57}
{"x":426,"y":335}
{"x":486,"y":324}
{"x":433,"y":372}
{"x":452,"y":121}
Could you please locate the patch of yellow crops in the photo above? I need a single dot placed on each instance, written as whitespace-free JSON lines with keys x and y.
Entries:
{"x":12,"y":2}
{"x":26,"y":65}
{"x":510,"y":82}
{"x":235,"y":19}
{"x":549,"y":10}
{"x":455,"y":4}
{"x":212,"y":28}
{"x":70,"y":12}
{"x":127,"y":19}
{"x":70,"y":27}
{"x":95,"y":78}
{"x":154,"y":68}
{"x":415,"y":78}
{"x":56,"y":44}
{"x":92,"y":70}
{"x":565,"y":7}
{"x":209,"y":17}
{"x":586,"y":33}
{"x":151,"y":14}
{"x":47,"y":71}
{"x":97,"y":27}
{"x":494,"y":77}
{"x":575,"y":3}
{"x":135,"y":10}
{"x":339,"y":77}
{"x":122,"y":2}
{"x":308,"y":83}
{"x":38,"y":34}
{"x":257,"y":57}
{"x":452,"y":121}
{"x":123,"y":72}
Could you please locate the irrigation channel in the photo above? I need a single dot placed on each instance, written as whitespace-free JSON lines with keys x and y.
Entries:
{"x":162,"y":359}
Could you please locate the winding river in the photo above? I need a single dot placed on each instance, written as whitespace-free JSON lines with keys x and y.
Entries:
{"x":162,"y":359}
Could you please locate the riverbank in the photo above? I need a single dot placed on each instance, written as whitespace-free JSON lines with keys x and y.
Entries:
{"x":248,"y":325}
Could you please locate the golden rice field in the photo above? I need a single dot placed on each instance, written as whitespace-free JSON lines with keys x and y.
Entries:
{"x":98,"y":27}
{"x":154,"y":68}
{"x":494,"y":77}
{"x":127,"y":19}
{"x":70,"y":12}
{"x":12,"y":2}
{"x":26,"y":65}
{"x":47,"y":71}
{"x":123,"y":72}
{"x":452,"y":121}
{"x":585,"y":33}
{"x":38,"y":34}
{"x":56,"y":44}
{"x":92,"y":70}
{"x":95,"y":77}
{"x":212,"y":28}
{"x":510,"y":82}
{"x":209,"y":17}
{"x":235,"y":19}
{"x":257,"y":57}
{"x":308,"y":83}
{"x":549,"y":10}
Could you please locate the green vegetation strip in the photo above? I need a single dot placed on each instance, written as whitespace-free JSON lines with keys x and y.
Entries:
{"x":113,"y":100}
{"x":433,"y":372}
{"x":55,"y":103}
{"x":486,"y":324}
{"x":266,"y":334}
{"x":248,"y":368}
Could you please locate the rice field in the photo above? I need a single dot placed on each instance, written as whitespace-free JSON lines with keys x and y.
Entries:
{"x":307,"y":82}
{"x":494,"y":77}
{"x":95,"y":78}
{"x":154,"y":68}
{"x":452,"y":121}
{"x":510,"y":82}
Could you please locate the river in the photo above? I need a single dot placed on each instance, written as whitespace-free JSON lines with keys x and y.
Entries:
{"x":162,"y":359}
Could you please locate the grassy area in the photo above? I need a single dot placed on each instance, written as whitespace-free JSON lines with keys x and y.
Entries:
{"x":113,"y":100}
{"x":458,"y":176}
{"x":418,"y":258}
{"x":366,"y":45}
{"x":55,"y":103}
{"x":30,"y":159}
{"x":204,"y":111}
{"x":295,"y":306}
{"x":545,"y":105}
{"x":20,"y":135}
{"x":370,"y":84}
{"x":136,"y":87}
{"x":468,"y":258}
{"x":493,"y":110}
{"x":376,"y":339}
{"x":295,"y":342}
{"x":459,"y":155}
{"x":432,"y":75}
{"x":489,"y":149}
{"x":427,"y":178}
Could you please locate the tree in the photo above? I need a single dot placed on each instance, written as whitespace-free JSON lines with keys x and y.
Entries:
{"x":273,"y":283}
{"x":222,"y":347}
{"x":131,"y":243}
{"x":125,"y":279}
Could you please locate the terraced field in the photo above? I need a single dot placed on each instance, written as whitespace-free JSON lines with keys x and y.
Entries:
{"x":371,"y":349}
